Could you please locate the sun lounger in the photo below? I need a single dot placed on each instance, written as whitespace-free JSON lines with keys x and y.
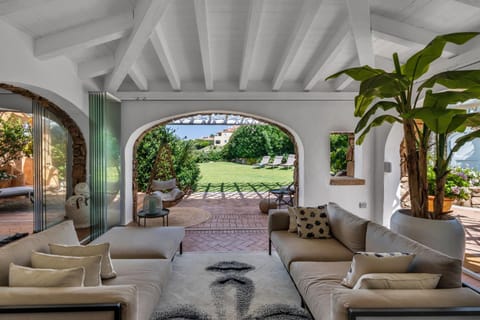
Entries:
{"x":9,"y":192}
{"x":262,"y":163}
{"x":276,"y":162}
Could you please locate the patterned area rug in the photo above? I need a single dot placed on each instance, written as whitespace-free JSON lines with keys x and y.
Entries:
{"x":221,"y":286}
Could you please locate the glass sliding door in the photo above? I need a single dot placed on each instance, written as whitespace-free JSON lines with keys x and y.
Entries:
{"x":52,"y":168}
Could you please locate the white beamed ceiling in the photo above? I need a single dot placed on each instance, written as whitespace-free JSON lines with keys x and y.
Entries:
{"x":265,"y":49}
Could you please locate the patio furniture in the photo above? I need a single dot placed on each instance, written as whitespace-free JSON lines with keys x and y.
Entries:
{"x":162,"y":213}
{"x":290,"y":162}
{"x":283,"y":196}
{"x":9,"y":192}
{"x":276,"y":162}
{"x":265,"y":160}
{"x":163,"y":179}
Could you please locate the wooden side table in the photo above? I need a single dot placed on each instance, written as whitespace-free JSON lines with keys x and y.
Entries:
{"x":157,"y":214}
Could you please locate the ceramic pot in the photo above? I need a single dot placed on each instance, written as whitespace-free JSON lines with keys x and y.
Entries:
{"x":447,"y":204}
{"x":446,"y":235}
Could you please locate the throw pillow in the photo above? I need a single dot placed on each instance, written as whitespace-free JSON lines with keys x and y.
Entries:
{"x":159,"y":185}
{"x":91,"y":264}
{"x":292,"y":215}
{"x":398,"y":281}
{"x":312,"y":223}
{"x":19,"y":276}
{"x":102,"y":249}
{"x":373,"y":262}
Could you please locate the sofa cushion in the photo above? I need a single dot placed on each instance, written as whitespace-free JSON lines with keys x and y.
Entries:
{"x":91,"y":264}
{"x":292,"y":219}
{"x":312,"y":222}
{"x":428,"y":298}
{"x":149,"y":276}
{"x":397,"y":281}
{"x":101,"y":249}
{"x":292,"y":248}
{"x":20,"y":251}
{"x":142,"y":243}
{"x":20,"y":276}
{"x":315,"y":281}
{"x":426,"y":259}
{"x":346,"y":227}
{"x":371,"y":262}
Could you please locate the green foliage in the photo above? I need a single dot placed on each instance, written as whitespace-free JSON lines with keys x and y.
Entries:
{"x":457,"y":183}
{"x":200,"y":143}
{"x":338,"y":152}
{"x":15,"y":138}
{"x":184,"y":162}
{"x":255,"y":141}
{"x":210,"y":154}
{"x":388,"y":97}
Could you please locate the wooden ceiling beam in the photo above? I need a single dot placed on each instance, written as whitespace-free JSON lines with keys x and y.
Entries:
{"x":160,"y":45}
{"x":309,"y":12}
{"x":138,"y":78}
{"x":250,"y":45}
{"x":201,"y":16}
{"x":84,"y":36}
{"x":359,"y":13}
{"x":147,"y":16}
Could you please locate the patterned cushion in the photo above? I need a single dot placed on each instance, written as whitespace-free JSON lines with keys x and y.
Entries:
{"x":374,"y":262}
{"x":312,"y":223}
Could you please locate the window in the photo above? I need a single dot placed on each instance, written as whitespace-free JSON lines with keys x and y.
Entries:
{"x":342,"y":160}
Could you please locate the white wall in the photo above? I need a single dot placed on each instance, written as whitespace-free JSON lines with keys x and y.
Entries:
{"x":309,"y":121}
{"x":392,"y":179}
{"x":54,"y":79}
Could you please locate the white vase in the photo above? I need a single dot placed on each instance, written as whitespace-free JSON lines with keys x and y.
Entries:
{"x":446,"y":236}
{"x":77,"y":209}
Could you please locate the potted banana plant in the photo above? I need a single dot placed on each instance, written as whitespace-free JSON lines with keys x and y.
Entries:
{"x":405,"y":96}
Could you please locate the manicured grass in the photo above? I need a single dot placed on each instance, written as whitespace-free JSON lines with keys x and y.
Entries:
{"x":234,"y":177}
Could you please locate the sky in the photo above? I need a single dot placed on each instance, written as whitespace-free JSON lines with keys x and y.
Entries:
{"x":196,"y":131}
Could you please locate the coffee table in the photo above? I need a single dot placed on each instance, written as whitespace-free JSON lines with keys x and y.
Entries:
{"x":157,"y":214}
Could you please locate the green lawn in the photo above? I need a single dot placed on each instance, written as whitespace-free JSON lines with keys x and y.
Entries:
{"x":234,"y":177}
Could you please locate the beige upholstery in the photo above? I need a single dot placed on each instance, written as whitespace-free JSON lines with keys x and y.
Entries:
{"x":292,"y":248}
{"x":150,"y":277}
{"x":138,"y":285}
{"x":381,"y":239}
{"x":346,"y":227}
{"x":143,"y":243}
{"x":126,"y":295}
{"x":443,"y":298}
{"x":278,"y":219}
{"x":19,"y":251}
{"x":315,"y":281}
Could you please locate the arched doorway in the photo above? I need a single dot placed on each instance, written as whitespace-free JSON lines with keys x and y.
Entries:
{"x":214,"y":119}
{"x":60,"y":161}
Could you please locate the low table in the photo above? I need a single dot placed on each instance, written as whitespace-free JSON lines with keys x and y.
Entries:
{"x":157,"y":214}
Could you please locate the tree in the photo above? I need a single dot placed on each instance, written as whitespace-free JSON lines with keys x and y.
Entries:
{"x":338,"y":152}
{"x":14,"y":139}
{"x":254,"y":141}
{"x":184,"y":163}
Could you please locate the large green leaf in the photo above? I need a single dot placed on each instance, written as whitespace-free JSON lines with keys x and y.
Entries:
{"x":375,"y":123}
{"x":384,"y":105}
{"x":358,"y":73}
{"x":462,"y":79}
{"x":361,"y":104}
{"x":385,"y":85}
{"x":441,"y":100}
{"x":418,"y":64}
{"x":437,"y":120}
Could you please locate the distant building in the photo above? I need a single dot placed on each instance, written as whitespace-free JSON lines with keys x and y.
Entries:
{"x":222,"y":138}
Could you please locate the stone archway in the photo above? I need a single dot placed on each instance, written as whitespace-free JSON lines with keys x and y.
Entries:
{"x":79,"y":147}
{"x":140,"y":137}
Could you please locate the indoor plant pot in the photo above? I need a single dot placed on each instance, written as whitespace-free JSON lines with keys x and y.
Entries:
{"x":446,"y":235}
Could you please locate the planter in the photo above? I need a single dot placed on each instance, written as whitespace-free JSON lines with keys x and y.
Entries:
{"x":446,"y":235}
{"x":447,"y":204}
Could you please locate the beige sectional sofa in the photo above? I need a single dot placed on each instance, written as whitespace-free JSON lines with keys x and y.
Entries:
{"x":142,"y":266}
{"x":317,"y":267}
